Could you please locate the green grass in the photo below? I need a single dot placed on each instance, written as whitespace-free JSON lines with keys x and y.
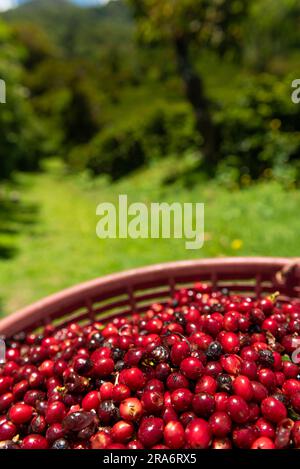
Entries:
{"x":53,"y":230}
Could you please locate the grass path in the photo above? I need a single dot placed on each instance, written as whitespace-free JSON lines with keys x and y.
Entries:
{"x":60,"y":248}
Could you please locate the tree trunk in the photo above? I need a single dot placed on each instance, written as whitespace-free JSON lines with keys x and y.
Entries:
{"x":195,"y":95}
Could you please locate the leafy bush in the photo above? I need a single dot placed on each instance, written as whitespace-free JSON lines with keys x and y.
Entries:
{"x":260,"y":133}
{"x":118,"y":151}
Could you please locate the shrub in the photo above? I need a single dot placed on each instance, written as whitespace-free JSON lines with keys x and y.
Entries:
{"x":117,"y":151}
{"x":259,"y":133}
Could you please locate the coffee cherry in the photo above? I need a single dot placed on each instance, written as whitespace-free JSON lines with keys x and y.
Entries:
{"x":181,"y":399}
{"x":273,"y":410}
{"x":214,"y":350}
{"x":198,"y":434}
{"x":34,"y":441}
{"x":263,"y":443}
{"x":20,"y":413}
{"x":91,"y":401}
{"x":60,"y":444}
{"x":237,"y":409}
{"x":55,"y":413}
{"x":220,"y":424}
{"x":295,"y":401}
{"x":150,"y":431}
{"x":174,"y":435}
{"x":191,"y":367}
{"x":242,"y":387}
{"x":131,"y":409}
{"x":203,"y":404}
{"x":152,"y":402}
{"x":230,"y":342}
{"x":7,"y":430}
{"x":133,"y":378}
{"x":122,"y":431}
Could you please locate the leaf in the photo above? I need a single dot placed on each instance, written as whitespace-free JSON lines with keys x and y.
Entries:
{"x":286,"y":358}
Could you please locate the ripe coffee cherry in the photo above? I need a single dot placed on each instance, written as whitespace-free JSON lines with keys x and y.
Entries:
{"x":152,"y":402}
{"x":55,"y":413}
{"x":230,"y":342}
{"x":267,"y":378}
{"x":263,"y":443}
{"x":237,"y":409}
{"x":181,"y":399}
{"x":179,"y":351}
{"x":150,"y":431}
{"x":6,"y":400}
{"x":203,"y":404}
{"x":206,"y":384}
{"x":220,"y":424}
{"x":20,"y":413}
{"x":131,"y":409}
{"x":242,"y":387}
{"x":103,"y":367}
{"x":295,"y":401}
{"x":55,"y":432}
{"x":174,"y":435}
{"x":91,"y":401}
{"x":34,"y":441}
{"x":133,"y":378}
{"x":244,"y":436}
{"x":273,"y":410}
{"x":191,"y":367}
{"x":122,"y":431}
{"x":106,"y":390}
{"x":176,"y":380}
{"x":198,"y":434}
{"x":155,"y":385}
{"x":6,"y":383}
{"x":120,"y":392}
{"x":101,"y":440}
{"x":7,"y":430}
{"x":221,"y":399}
{"x":265,"y":428}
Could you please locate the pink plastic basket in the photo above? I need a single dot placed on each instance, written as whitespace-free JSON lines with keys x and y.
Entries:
{"x":135,"y":290}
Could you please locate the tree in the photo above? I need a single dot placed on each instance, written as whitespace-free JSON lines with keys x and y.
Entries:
{"x":20,"y":130}
{"x":184,"y":23}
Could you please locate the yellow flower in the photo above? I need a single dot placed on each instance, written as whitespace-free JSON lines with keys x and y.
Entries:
{"x":236,"y":244}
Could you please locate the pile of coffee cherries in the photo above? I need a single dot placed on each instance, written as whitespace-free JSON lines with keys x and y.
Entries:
{"x":208,"y":369}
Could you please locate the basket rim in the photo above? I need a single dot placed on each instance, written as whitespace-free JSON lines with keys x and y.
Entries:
{"x":132,"y":278}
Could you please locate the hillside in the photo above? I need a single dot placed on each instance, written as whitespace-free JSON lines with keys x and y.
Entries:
{"x":75,"y":29}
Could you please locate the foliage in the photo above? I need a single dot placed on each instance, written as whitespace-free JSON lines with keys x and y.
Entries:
{"x":260,"y":132}
{"x":21,"y":135}
{"x":209,"y":22}
{"x":117,"y":151}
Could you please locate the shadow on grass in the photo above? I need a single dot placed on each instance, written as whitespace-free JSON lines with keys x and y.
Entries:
{"x":15,"y":216}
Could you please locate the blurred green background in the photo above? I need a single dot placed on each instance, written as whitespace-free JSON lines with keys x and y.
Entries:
{"x":163,"y":100}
